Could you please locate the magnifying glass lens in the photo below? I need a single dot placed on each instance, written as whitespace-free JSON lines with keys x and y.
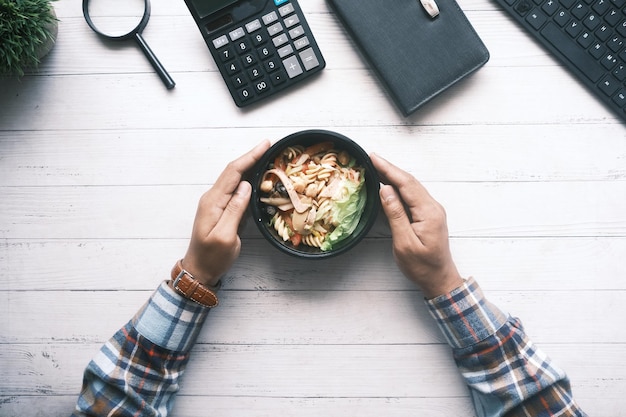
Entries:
{"x":116,"y":17}
{"x":121,"y":20}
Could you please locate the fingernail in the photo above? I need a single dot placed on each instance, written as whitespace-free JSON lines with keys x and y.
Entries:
{"x":387,"y":193}
{"x":243,"y":188}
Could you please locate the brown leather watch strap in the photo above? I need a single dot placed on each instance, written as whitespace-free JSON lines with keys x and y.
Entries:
{"x":191,"y":288}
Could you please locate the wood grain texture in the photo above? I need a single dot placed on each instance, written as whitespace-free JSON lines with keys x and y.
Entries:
{"x":101,"y":169}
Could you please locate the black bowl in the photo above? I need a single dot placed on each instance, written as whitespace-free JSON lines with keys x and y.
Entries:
{"x":307,"y":138}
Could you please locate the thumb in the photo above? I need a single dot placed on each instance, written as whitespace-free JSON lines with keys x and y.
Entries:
{"x":235,"y":209}
{"x":394,"y":210}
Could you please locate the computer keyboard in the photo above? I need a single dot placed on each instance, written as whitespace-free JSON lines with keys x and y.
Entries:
{"x":589,"y":38}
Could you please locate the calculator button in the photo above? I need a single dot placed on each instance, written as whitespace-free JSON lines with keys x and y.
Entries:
{"x":309,"y":59}
{"x":259,"y":38}
{"x":271,"y":65}
{"x":265,"y":52}
{"x":278,"y":77}
{"x":280,"y":40}
{"x":269,"y":18}
{"x":261,"y":86}
{"x":285,"y":10}
{"x":221,"y":41}
{"x":236,"y":34}
{"x":233,"y":68}
{"x":296,"y":32}
{"x":254,"y":25}
{"x":275,"y":29}
{"x":255,"y":73}
{"x":243,"y":47}
{"x":226,"y":54}
{"x":279,"y":2}
{"x":302,"y":42}
{"x":238,"y":81}
{"x":245,"y":94}
{"x":292,"y":20}
{"x":292,"y":66}
{"x":248,"y":60}
{"x":285,"y":51}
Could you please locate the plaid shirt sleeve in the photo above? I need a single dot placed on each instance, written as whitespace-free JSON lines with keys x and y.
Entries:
{"x":506,"y":373}
{"x":137,"y":372}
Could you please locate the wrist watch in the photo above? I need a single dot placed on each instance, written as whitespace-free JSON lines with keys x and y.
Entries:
{"x":189,"y":287}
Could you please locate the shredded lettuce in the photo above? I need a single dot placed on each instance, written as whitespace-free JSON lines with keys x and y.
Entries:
{"x":346,"y":211}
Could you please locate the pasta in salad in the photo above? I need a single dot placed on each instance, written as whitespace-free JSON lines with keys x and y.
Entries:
{"x":314,"y":195}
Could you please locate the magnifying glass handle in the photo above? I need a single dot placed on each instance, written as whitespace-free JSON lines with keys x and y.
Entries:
{"x":165,"y":77}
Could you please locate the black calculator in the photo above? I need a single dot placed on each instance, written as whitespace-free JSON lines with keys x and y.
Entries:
{"x":261,"y":47}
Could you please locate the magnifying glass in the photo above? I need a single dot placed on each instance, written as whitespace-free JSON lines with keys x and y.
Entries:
{"x":120,"y":20}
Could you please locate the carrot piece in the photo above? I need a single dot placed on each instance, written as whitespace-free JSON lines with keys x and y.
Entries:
{"x":296,"y":239}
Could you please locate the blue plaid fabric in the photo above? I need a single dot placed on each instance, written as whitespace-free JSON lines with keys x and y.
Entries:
{"x":137,"y":372}
{"x":506,"y":373}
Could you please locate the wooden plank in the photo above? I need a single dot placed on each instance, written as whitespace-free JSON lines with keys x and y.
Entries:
{"x":478,"y":100}
{"x":440,"y":153}
{"x":318,"y":317}
{"x":532,"y":264}
{"x":197,"y":406}
{"x":514,"y":209}
{"x":323,"y":372}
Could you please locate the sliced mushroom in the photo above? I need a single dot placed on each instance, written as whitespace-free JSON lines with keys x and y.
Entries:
{"x":298,"y":205}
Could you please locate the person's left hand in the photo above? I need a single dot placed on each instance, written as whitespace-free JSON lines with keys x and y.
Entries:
{"x":214,"y":244}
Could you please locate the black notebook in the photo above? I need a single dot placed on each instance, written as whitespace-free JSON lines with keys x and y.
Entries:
{"x":416,"y":56}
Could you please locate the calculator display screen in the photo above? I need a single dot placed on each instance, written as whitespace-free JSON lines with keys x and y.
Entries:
{"x":205,"y":8}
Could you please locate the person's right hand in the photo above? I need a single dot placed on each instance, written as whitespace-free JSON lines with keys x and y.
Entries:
{"x":419,"y":231}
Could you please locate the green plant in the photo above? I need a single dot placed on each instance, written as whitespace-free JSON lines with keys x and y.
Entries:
{"x":26,"y":26}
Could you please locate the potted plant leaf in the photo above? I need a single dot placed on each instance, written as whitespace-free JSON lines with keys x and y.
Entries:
{"x":28,"y":30}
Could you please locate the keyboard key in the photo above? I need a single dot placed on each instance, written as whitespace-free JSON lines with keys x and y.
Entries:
{"x":620,"y":98}
{"x":585,"y":40}
{"x":580,"y":10}
{"x":609,"y":85}
{"x":603,"y":33}
{"x":573,"y":53}
{"x":523,"y":7}
{"x":597,"y":50}
{"x":574,"y":28}
{"x":561,"y":18}
{"x":609,"y":61}
{"x":591,"y":22}
{"x":536,"y":19}
{"x":601,"y":6}
{"x":550,"y":7}
{"x":620,"y":72}
{"x":612,"y":17}
{"x":615,"y":44}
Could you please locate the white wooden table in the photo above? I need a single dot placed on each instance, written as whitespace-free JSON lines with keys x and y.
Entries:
{"x":101,"y":169}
